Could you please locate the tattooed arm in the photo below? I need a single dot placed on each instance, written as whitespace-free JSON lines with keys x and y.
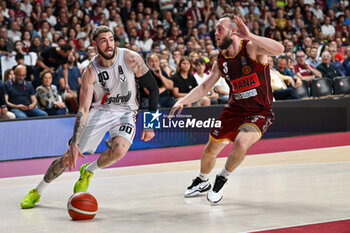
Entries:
{"x":139,"y":68}
{"x":86,"y":93}
{"x":136,"y":63}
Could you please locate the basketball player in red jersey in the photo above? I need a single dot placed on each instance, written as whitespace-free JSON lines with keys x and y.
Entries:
{"x":242,"y":61}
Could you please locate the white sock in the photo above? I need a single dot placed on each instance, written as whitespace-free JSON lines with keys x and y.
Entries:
{"x":224,"y":173}
{"x":41,"y":186}
{"x":203,"y":176}
{"x":92,"y":167}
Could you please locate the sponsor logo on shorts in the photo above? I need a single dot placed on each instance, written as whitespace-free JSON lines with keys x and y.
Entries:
{"x":245,"y":95}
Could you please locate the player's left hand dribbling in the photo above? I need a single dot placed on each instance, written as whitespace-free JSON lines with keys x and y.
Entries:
{"x":147,"y":135}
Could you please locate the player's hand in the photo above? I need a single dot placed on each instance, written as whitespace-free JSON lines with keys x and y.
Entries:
{"x":147,"y":135}
{"x":242,"y":28}
{"x":73,"y":154}
{"x":177,"y":107}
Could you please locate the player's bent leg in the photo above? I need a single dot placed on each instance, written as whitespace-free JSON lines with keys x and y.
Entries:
{"x":209,"y":154}
{"x":119,"y":147}
{"x":246,"y":137}
{"x":56,"y":168}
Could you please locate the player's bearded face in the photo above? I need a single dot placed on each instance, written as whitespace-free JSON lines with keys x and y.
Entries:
{"x":226,"y":42}
{"x":104,"y":55}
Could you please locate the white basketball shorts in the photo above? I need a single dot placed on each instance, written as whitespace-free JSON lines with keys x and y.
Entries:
{"x":118,"y":123}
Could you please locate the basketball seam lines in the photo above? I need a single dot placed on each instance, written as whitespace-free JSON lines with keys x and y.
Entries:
{"x":70,"y":207}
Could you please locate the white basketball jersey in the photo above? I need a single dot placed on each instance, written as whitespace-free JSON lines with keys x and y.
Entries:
{"x":115,"y":86}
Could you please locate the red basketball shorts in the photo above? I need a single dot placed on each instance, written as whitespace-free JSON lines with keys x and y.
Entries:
{"x":231,"y":123}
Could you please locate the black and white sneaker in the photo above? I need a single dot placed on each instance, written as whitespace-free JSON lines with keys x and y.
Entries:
{"x":215,"y":194}
{"x":198,"y":186}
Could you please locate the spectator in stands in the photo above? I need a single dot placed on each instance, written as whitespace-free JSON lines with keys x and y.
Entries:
{"x":50,"y":17}
{"x":27,"y":7}
{"x":35,"y":45}
{"x":289,"y":30}
{"x":208,"y":9}
{"x":195,"y":13}
{"x":4,"y":50}
{"x":4,"y":35}
{"x":327,"y":69}
{"x":175,"y":59}
{"x":312,"y":60}
{"x":70,"y":89}
{"x":9,"y":74}
{"x":19,"y":57}
{"x":49,"y":99}
{"x":164,"y":65}
{"x":165,"y":84}
{"x":200,"y":77}
{"x":145,"y":42}
{"x":270,"y":31}
{"x":212,"y":58}
{"x":26,"y":41}
{"x":346,"y":62}
{"x":278,"y":84}
{"x":283,"y":69}
{"x":52,"y":58}
{"x":305,"y":70}
{"x":18,"y":47}
{"x":335,"y":61}
{"x":184,"y":82}
{"x":327,"y":28}
{"x":180,"y":12}
{"x":20,"y":96}
{"x":14,"y":33}
{"x":4,"y":113}
{"x":318,"y":12}
{"x":222,"y":5}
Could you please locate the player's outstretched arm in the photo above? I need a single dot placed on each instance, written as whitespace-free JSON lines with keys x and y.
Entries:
{"x":86,"y":93}
{"x":262,"y":45}
{"x":198,"y":92}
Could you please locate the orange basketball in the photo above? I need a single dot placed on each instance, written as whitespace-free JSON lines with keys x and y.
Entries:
{"x":82,"y":206}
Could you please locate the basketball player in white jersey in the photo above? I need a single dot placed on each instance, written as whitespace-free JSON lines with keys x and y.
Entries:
{"x":110,"y":77}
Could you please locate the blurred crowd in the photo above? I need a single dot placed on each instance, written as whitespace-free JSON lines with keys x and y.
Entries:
{"x":176,"y":38}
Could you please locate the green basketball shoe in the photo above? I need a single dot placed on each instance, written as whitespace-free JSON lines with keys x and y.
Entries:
{"x":30,"y":199}
{"x":84,"y":180}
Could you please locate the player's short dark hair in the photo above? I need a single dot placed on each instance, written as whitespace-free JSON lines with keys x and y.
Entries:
{"x":66,"y":47}
{"x":100,"y":29}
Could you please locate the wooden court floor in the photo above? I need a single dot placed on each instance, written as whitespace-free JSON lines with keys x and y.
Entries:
{"x":267,"y":191}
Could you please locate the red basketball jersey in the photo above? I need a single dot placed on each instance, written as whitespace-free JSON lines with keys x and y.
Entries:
{"x":249,"y":81}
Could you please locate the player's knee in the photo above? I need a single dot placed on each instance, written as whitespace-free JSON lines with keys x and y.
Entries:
{"x":210,"y":151}
{"x":241,"y":145}
{"x":116,"y":153}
